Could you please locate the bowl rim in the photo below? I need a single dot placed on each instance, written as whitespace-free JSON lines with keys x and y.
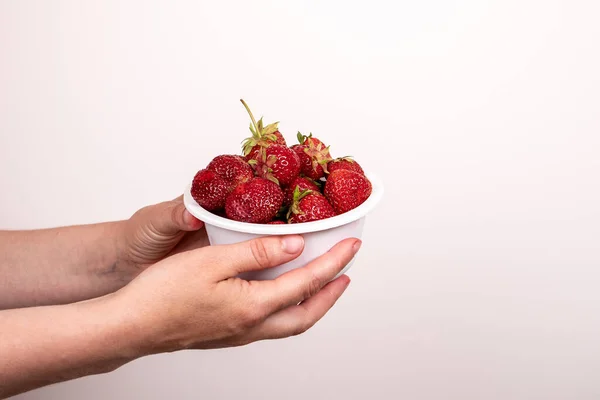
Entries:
{"x":280,"y":229}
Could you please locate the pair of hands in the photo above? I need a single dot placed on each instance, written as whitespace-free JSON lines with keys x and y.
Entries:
{"x":188,"y":295}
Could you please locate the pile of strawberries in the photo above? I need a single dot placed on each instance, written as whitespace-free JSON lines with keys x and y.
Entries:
{"x":271,"y":183}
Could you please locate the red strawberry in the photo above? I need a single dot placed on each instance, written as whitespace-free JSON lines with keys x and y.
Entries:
{"x":262,"y":136}
{"x":305,"y":161}
{"x":255,"y":201}
{"x":301,"y":182}
{"x":308,"y":140}
{"x":309,"y":206}
{"x":345,"y":163}
{"x":254,"y":152}
{"x":280,"y":138}
{"x":313,"y":155}
{"x":210,"y":190}
{"x":232,"y":168}
{"x":277,"y":222}
{"x":277,"y":163}
{"x":346,"y":190}
{"x":308,"y":166}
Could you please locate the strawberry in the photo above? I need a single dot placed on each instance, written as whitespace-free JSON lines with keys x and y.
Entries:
{"x":301,"y":182}
{"x":345,"y":163}
{"x":307,"y":168}
{"x":309,"y":206}
{"x":280,"y":138}
{"x":255,"y":201}
{"x":277,"y":163}
{"x":262,"y":136}
{"x":210,"y":190}
{"x":313,"y":155}
{"x":232,"y":168}
{"x":276,"y":222}
{"x":256,"y":149}
{"x":346,"y":190}
{"x":308,"y":140}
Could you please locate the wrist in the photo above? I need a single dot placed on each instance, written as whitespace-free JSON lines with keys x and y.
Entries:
{"x":124,"y":329}
{"x":144,"y":327}
{"x":123,"y":268}
{"x":119,"y":236}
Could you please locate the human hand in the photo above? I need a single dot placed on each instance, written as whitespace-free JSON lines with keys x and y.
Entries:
{"x":159,"y":230}
{"x":193,"y":300}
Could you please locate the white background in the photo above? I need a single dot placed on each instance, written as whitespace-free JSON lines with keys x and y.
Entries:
{"x":479,"y":274}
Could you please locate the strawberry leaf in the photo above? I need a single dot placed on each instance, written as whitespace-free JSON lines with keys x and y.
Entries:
{"x":270,"y":137}
{"x":247,"y":145}
{"x":271,"y":128}
{"x":260,"y":126}
{"x":304,"y":193}
{"x":295,"y":207}
{"x":253,"y":130}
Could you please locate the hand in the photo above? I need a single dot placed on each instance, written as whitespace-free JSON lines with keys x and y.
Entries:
{"x":157,"y":231}
{"x":193,"y":300}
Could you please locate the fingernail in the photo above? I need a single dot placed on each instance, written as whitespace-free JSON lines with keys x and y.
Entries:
{"x":292,"y":244}
{"x":356,"y":245}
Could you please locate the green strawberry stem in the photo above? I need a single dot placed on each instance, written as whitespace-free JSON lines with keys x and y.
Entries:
{"x":260,"y":134}
{"x":251,"y":116}
{"x":302,"y":138}
{"x":297,"y":196}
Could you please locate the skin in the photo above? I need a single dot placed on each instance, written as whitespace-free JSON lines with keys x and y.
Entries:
{"x":86,"y":300}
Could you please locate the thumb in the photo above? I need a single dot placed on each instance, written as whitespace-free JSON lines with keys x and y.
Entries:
{"x":172,"y":217}
{"x":255,"y":254}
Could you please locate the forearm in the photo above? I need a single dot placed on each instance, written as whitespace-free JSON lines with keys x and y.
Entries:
{"x":45,"y":345}
{"x":60,"y":265}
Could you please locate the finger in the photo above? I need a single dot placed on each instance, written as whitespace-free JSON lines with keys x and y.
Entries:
{"x":172,"y":217}
{"x":256,"y":254}
{"x":297,"y":319}
{"x":191,"y":241}
{"x":302,"y":283}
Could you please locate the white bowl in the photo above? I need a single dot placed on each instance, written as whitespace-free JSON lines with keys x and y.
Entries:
{"x":319,"y":236}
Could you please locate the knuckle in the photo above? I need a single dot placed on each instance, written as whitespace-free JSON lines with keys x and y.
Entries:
{"x":312,"y":286}
{"x":298,"y":330}
{"x":304,"y":324}
{"x":174,"y":212}
{"x":330,"y":295}
{"x":238,"y":323}
{"x":337,"y":263}
{"x":250,"y":317}
{"x":260,"y":253}
{"x":249,"y":313}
